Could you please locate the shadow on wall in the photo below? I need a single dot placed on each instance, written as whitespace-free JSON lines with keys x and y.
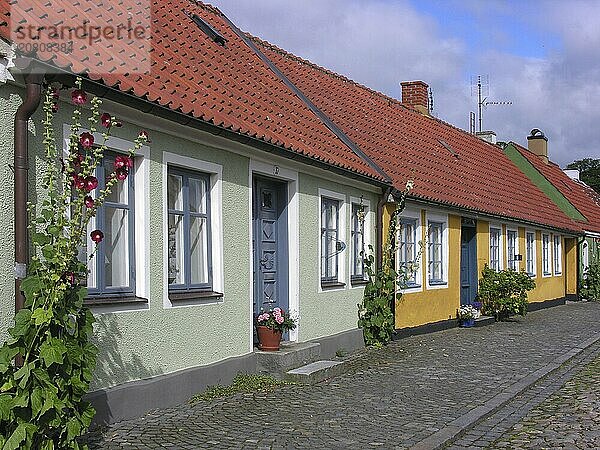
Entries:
{"x":112,"y":369}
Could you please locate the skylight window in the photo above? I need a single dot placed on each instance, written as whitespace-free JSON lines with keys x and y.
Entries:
{"x":209,"y":30}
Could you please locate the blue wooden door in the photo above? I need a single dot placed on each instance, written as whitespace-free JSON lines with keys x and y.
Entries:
{"x":468,"y":265}
{"x":270,"y":245}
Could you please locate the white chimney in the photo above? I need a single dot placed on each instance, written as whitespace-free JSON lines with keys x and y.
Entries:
{"x":488,"y":136}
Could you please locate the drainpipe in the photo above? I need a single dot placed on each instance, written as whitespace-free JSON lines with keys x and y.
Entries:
{"x":33,"y":87}
{"x":379,"y":227}
{"x":578,"y":264}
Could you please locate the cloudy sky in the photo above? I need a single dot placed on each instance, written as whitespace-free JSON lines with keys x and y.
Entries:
{"x":543,"y":56}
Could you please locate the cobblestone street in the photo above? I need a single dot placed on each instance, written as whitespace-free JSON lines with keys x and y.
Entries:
{"x":464,"y":388}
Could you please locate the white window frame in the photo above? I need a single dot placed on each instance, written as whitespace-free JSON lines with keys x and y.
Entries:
{"x":367,"y":227}
{"x":546,"y":256}
{"x":557,"y":254}
{"x":141,"y":216}
{"x":216,"y":176}
{"x":516,"y":249}
{"x":500,"y":247}
{"x":413,"y":214}
{"x":532,"y":274}
{"x":442,"y":218}
{"x":342,"y":225}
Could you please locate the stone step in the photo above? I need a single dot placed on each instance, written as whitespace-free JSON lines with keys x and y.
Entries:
{"x":484,"y":320}
{"x":290,"y":356}
{"x":315,"y":372}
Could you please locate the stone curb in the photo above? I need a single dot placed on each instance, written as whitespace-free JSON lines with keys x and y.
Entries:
{"x":444,"y":436}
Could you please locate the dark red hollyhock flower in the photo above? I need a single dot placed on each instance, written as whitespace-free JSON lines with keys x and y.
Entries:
{"x":86,"y":140}
{"x":56,"y":93}
{"x":55,"y":107}
{"x":121,"y":173}
{"x":91,"y":183}
{"x":106,"y":120}
{"x":89,"y":201}
{"x":118,"y":124}
{"x":144,"y":134}
{"x":78,"y":97}
{"x":97,"y":236}
{"x":69,"y":277}
{"x":123,"y":161}
{"x":78,"y":182}
{"x":77,"y":160}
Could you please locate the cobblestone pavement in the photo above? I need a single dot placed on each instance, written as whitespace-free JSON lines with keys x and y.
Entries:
{"x":390,"y":398}
{"x":570,"y":418}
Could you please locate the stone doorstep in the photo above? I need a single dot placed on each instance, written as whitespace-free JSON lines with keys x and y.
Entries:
{"x":291,"y":355}
{"x":484,"y":320}
{"x":315,"y":372}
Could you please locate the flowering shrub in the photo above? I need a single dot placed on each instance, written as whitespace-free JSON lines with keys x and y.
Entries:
{"x":277,"y":320}
{"x":41,"y":405}
{"x":590,"y":289}
{"x":467,"y":312}
{"x":504,"y":293}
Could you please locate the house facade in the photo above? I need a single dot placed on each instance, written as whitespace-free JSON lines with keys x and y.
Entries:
{"x":264,"y":179}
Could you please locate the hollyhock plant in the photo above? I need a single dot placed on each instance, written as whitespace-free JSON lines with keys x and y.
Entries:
{"x":51,"y":339}
{"x":88,"y":201}
{"x":97,"y":236}
{"x":78,"y":97}
{"x":123,"y":161}
{"x":86,"y":140}
{"x":91,"y":183}
{"x":276,"y":319}
{"x":106,"y":120}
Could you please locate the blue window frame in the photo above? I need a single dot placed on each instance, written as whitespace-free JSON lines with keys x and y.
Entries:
{"x":358,"y":242}
{"x":330,"y":210}
{"x":112,"y":269}
{"x":546,"y":254}
{"x":407,"y":251}
{"x":189,"y":230}
{"x":557,"y":255}
{"x":436,"y":257}
{"x":530,"y":253}
{"x":495,"y":249}
{"x":511,"y":249}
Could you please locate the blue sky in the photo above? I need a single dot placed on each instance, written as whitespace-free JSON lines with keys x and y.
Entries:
{"x":543,"y":55}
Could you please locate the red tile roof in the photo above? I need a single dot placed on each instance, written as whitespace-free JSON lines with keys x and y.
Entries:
{"x":469,"y":174}
{"x":228,"y":86}
{"x":583,"y":197}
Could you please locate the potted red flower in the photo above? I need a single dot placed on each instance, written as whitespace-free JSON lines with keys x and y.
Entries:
{"x":270,"y":326}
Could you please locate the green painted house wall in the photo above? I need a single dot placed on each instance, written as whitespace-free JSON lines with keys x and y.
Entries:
{"x":139,"y":344}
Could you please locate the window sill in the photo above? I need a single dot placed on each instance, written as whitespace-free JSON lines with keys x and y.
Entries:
{"x":437,"y":283}
{"x":107,"y":300}
{"x":358,"y":281}
{"x":413,"y":286}
{"x":198,"y":296}
{"x":332,"y":284}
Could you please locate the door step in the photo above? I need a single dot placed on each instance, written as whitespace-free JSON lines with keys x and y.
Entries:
{"x":290,"y":356}
{"x":315,"y":372}
{"x":484,"y":320}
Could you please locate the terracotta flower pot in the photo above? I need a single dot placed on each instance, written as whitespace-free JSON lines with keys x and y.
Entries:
{"x":268,"y":339}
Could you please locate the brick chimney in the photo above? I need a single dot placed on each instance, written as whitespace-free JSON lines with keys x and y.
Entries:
{"x":415,"y":94}
{"x":537,"y":143}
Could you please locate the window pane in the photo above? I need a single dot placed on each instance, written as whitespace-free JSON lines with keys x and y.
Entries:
{"x":120,"y":189}
{"x":198,"y":250}
{"x":197,"y":195}
{"x":174,"y":192}
{"x":116,"y":247}
{"x":175,"y":249}
{"x":332,"y":215}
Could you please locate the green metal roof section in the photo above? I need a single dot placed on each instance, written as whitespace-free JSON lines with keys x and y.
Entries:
{"x":543,"y":183}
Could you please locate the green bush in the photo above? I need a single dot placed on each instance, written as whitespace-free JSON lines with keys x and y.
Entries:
{"x":590,"y":289}
{"x":504,"y":293}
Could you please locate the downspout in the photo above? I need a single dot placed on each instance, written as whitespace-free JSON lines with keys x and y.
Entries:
{"x":33,"y":88}
{"x":578,"y":264}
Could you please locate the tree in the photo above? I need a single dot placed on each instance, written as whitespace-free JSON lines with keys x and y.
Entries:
{"x":589,"y":172}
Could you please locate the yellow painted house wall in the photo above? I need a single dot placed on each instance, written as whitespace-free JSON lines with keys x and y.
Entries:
{"x":434,"y":305}
{"x":549,"y":287}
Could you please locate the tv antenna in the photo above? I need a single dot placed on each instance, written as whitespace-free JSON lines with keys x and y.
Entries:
{"x":480,"y":86}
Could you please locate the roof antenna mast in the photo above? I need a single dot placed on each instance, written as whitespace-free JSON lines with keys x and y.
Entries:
{"x":480,"y":86}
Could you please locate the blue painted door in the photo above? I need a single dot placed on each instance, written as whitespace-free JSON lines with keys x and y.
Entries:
{"x":270,"y":245}
{"x":468,"y":265}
